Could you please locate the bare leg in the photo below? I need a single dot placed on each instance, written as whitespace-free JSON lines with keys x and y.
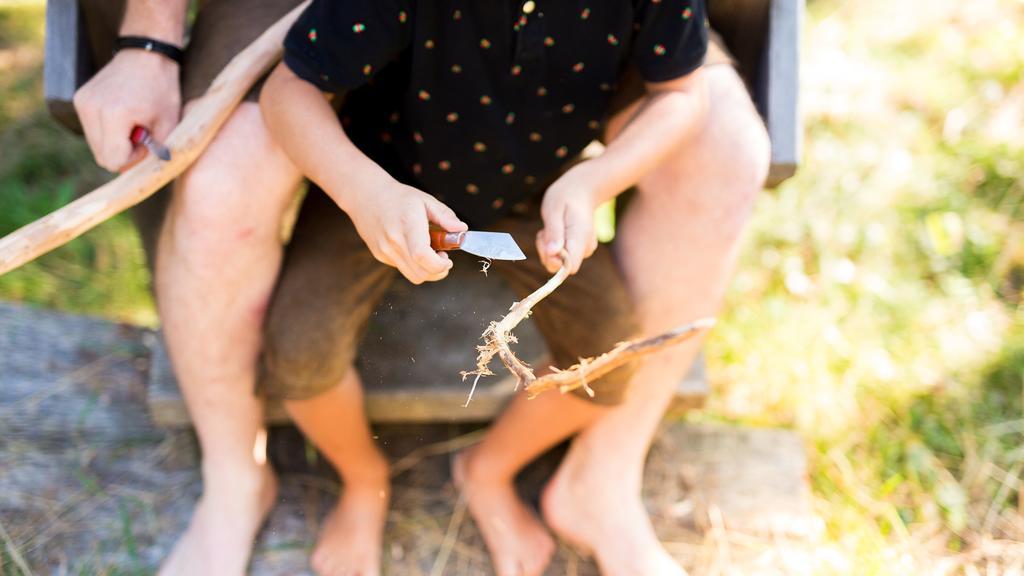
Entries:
{"x":217,"y":261}
{"x":519,"y":545}
{"x":701,"y":199}
{"x":350,"y":540}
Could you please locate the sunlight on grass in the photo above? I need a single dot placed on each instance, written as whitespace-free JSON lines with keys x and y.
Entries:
{"x":877,"y":308}
{"x":43,"y":167}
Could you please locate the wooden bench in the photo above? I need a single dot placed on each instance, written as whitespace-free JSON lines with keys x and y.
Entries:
{"x":407,"y":379}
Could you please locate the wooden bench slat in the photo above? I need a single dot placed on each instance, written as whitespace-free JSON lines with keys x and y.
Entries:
{"x":419,"y":340}
{"x":782,"y":60}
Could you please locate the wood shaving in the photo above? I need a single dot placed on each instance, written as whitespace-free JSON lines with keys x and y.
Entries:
{"x":498,"y":336}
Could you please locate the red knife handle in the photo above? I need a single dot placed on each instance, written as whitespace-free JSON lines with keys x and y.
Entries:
{"x":139,"y":135}
{"x":441,"y":239}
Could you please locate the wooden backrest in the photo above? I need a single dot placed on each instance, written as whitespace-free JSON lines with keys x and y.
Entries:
{"x":68,"y":61}
{"x":764,"y":38}
{"x":763,"y":35}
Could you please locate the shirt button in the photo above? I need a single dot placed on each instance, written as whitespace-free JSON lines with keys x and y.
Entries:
{"x":529,"y":6}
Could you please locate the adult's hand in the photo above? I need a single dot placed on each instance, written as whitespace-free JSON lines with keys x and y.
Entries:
{"x":137,"y":88}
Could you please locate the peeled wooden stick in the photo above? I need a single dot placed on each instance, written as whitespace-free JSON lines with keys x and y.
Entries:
{"x":499,"y":334}
{"x":590,"y":369}
{"x":188,"y":140}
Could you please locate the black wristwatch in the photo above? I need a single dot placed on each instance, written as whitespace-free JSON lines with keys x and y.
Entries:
{"x":150,"y":45}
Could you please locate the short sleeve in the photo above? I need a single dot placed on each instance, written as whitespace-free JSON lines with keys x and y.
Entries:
{"x":671,"y":38}
{"x":338,"y":45}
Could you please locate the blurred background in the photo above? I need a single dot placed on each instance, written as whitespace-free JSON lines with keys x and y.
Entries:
{"x":877,"y":310}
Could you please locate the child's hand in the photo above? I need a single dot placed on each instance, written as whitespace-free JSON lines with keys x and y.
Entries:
{"x":394,"y":223}
{"x":568,"y":213}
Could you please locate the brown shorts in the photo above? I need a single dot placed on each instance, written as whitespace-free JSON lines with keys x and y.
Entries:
{"x":330,"y":283}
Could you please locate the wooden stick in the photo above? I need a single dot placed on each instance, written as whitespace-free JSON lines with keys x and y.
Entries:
{"x":188,"y":140}
{"x":589,"y":370}
{"x":499,"y":334}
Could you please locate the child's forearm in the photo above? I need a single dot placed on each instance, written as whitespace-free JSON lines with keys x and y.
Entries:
{"x":669,"y":116}
{"x":304,"y":124}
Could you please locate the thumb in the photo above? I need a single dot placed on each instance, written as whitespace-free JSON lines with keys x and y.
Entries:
{"x":551,"y":239}
{"x":138,"y":153}
{"x":553,"y":234}
{"x":163,"y":125}
{"x":440,"y":214}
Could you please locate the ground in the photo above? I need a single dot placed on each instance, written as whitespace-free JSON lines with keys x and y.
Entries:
{"x":877,"y":310}
{"x":91,"y":484}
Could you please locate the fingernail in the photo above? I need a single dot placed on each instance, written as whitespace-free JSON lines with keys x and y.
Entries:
{"x":553,"y":247}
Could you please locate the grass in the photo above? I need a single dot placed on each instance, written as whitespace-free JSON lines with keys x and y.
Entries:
{"x":877,"y":309}
{"x":42,"y":167}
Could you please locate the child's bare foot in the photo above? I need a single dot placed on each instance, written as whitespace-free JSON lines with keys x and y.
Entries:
{"x":518,"y":543}
{"x":607,"y":521}
{"x":350,"y":538}
{"x":224,"y":524}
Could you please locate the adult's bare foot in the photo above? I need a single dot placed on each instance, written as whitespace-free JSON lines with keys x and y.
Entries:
{"x":350,"y":538}
{"x":606,"y":520}
{"x":517,"y":541}
{"x":224,"y":524}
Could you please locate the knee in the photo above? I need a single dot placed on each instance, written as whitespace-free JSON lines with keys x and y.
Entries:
{"x":717,"y":175}
{"x":224,"y":201}
{"x":743,"y":152}
{"x":205,"y":220}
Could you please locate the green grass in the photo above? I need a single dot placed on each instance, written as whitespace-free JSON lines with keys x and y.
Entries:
{"x":42,"y":167}
{"x":878,"y":305}
{"x":877,"y":309}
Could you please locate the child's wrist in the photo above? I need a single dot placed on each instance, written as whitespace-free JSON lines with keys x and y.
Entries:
{"x":352,"y":186}
{"x":591,"y":176}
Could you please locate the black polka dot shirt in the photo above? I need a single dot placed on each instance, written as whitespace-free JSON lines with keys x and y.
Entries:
{"x":481,"y":103}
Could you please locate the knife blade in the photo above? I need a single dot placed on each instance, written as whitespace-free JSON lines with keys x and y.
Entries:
{"x":140,"y":135}
{"x":493,"y":245}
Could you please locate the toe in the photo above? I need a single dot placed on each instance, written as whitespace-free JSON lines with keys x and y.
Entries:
{"x":507,"y":568}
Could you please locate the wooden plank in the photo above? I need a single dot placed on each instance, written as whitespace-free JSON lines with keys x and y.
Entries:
{"x":764,"y":38}
{"x":755,"y":479}
{"x":782,"y":63}
{"x":66,"y":60}
{"x":63,"y":376}
{"x":411,"y":402}
{"x":419,"y":340}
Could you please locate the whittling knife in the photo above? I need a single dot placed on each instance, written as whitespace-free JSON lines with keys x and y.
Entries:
{"x":493,"y":245}
{"x":142,"y":136}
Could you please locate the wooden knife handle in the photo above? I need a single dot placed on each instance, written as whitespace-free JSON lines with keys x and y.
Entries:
{"x":441,"y":239}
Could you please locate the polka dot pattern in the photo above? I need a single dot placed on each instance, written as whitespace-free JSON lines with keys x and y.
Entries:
{"x":500,"y":102}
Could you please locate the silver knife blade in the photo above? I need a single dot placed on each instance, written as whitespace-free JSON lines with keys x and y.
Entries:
{"x":494,"y":245}
{"x":158,"y":150}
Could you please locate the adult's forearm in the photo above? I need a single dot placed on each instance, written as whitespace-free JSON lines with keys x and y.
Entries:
{"x":160,"y":19}
{"x":668,"y":117}
{"x":304,"y":124}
